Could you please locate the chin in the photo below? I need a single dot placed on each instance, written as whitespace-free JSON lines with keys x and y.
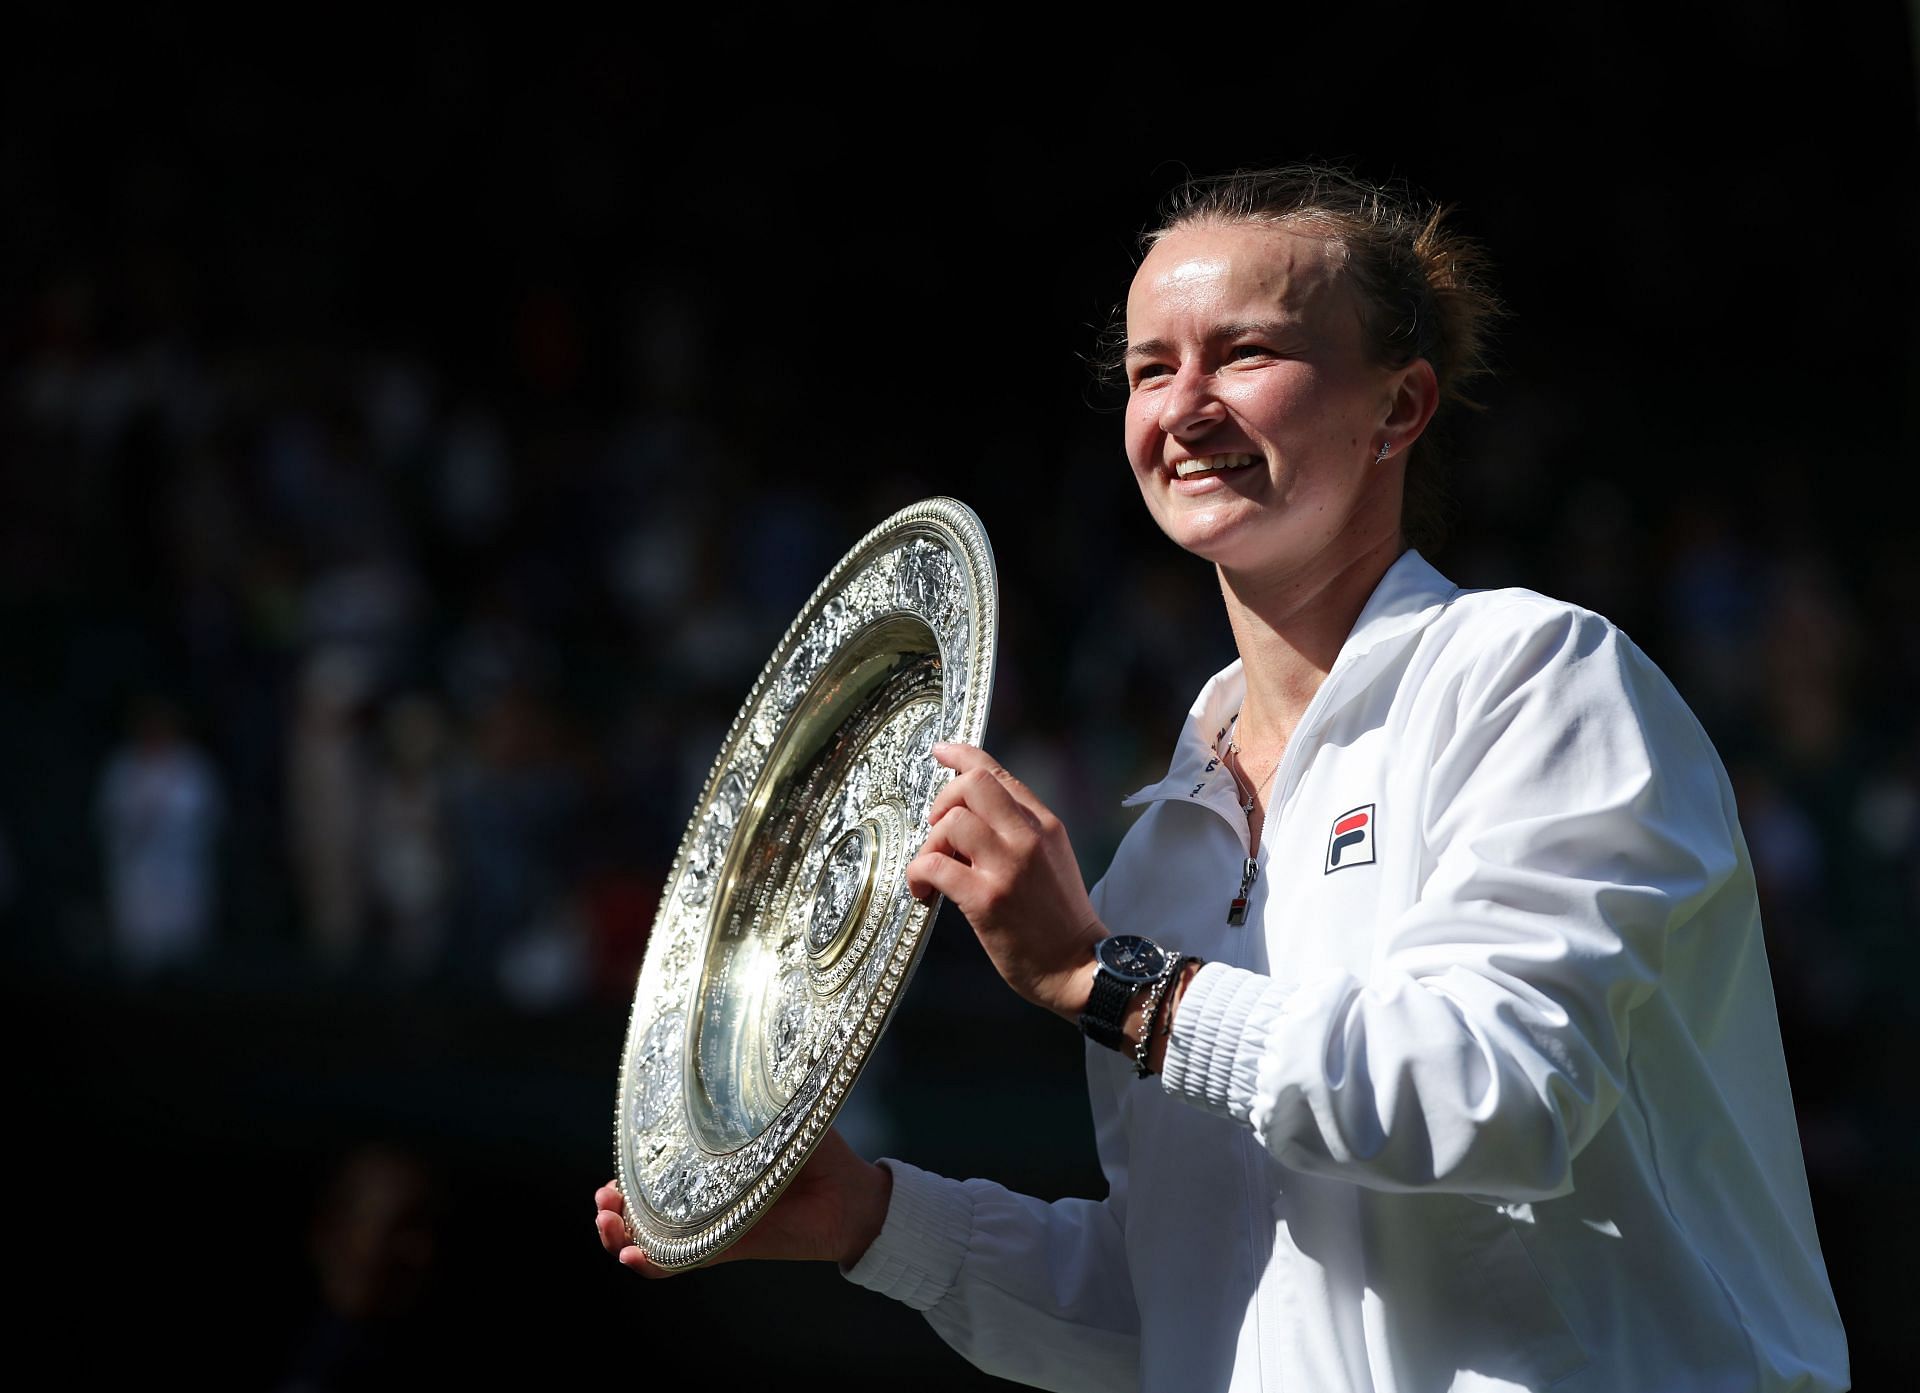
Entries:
{"x":1221,"y":542}
{"x":1226,"y":528}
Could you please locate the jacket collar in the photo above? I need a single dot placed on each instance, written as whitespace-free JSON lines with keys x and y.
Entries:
{"x":1410,"y":596}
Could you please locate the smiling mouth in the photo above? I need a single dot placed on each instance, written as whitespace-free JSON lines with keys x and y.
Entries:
{"x":1213,"y":464}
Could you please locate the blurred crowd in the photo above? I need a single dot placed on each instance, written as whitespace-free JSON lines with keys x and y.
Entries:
{"x":322,"y":670}
{"x":332,"y":676}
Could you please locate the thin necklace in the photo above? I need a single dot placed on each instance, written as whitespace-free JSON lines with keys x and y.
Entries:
{"x":1250,"y":869}
{"x":1239,"y":783}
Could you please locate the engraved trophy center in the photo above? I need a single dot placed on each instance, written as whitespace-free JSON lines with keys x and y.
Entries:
{"x":845,"y":886}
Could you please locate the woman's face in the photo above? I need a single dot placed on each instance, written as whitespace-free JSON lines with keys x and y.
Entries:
{"x":1253,"y":414}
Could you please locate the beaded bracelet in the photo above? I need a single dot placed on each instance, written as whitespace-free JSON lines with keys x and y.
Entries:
{"x":1152,"y":1012}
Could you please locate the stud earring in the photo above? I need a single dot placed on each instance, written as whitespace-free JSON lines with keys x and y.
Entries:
{"x":1384,"y":447}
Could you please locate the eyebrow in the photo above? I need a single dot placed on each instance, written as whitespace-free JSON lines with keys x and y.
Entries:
{"x":1263,"y":328}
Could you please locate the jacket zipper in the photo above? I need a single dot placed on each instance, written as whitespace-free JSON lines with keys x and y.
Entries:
{"x":1237,"y":911}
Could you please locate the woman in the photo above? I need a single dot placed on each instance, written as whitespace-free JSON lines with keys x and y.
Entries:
{"x":1470,"y":1075}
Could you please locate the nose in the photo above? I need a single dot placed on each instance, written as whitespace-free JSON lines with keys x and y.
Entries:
{"x":1188,"y":406}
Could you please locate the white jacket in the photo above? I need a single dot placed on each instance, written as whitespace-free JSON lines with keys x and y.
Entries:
{"x":1487,"y":1094}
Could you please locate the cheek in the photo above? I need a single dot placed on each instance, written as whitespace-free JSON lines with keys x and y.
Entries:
{"x":1278,"y":403}
{"x":1138,"y":432}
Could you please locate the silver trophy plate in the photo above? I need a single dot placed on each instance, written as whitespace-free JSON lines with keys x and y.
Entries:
{"x":786,"y":933}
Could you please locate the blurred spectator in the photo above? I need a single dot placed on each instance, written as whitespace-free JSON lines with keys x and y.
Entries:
{"x":410,"y":867}
{"x":619,"y":905}
{"x":1711,"y":602}
{"x":327,"y":802}
{"x":474,"y":482}
{"x":511,"y":805}
{"x":374,"y":1242}
{"x":549,"y":963}
{"x":160,"y":810}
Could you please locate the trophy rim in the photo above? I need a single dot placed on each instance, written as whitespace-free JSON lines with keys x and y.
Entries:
{"x":750,"y":1177}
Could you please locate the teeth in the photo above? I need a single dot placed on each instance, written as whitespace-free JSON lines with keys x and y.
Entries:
{"x":1213,"y":464}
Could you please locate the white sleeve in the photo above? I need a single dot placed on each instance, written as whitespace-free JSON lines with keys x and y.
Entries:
{"x":1026,"y":1290}
{"x":1576,"y":815}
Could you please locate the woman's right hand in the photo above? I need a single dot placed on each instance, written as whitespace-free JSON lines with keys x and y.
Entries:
{"x":832,"y":1211}
{"x":1004,"y":860}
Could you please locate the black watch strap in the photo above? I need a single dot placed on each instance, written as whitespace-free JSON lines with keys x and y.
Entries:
{"x":1106,"y":1010}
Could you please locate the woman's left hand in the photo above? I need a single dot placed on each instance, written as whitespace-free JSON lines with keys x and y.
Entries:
{"x":833,"y":1210}
{"x":1002,"y":856}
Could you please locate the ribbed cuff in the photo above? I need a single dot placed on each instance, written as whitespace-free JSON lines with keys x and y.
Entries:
{"x":1219,"y":1035}
{"x":917,"y":1256}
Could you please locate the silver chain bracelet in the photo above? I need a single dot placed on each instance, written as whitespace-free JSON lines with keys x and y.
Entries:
{"x":1152,"y":1012}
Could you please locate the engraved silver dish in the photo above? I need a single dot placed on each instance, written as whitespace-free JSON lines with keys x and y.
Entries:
{"x":786,"y":933}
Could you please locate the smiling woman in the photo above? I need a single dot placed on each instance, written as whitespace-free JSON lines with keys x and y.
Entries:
{"x":1415,"y":289}
{"x":1465,"y":1069}
{"x":1260,"y":429}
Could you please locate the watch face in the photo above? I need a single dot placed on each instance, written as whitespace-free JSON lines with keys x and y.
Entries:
{"x":1132,"y":957}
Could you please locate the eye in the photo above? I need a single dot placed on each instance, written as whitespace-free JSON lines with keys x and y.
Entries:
{"x":1143,"y":371}
{"x":1243,"y":352}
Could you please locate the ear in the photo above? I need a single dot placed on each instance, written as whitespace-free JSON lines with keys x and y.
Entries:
{"x":1416,"y":396}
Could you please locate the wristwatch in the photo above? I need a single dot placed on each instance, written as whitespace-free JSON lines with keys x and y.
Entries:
{"x":1127,"y":963}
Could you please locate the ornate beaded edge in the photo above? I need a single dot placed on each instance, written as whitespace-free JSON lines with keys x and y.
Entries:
{"x":726,"y":1194}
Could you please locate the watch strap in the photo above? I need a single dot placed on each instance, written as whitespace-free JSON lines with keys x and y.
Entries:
{"x":1103,"y":1020}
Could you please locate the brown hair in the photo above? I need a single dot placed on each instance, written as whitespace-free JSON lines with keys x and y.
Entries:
{"x":1423,"y":288}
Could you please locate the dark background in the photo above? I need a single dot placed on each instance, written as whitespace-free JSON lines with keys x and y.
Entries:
{"x":442,"y":419}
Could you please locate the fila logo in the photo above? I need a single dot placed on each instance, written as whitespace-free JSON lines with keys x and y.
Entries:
{"x":1351,"y":841}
